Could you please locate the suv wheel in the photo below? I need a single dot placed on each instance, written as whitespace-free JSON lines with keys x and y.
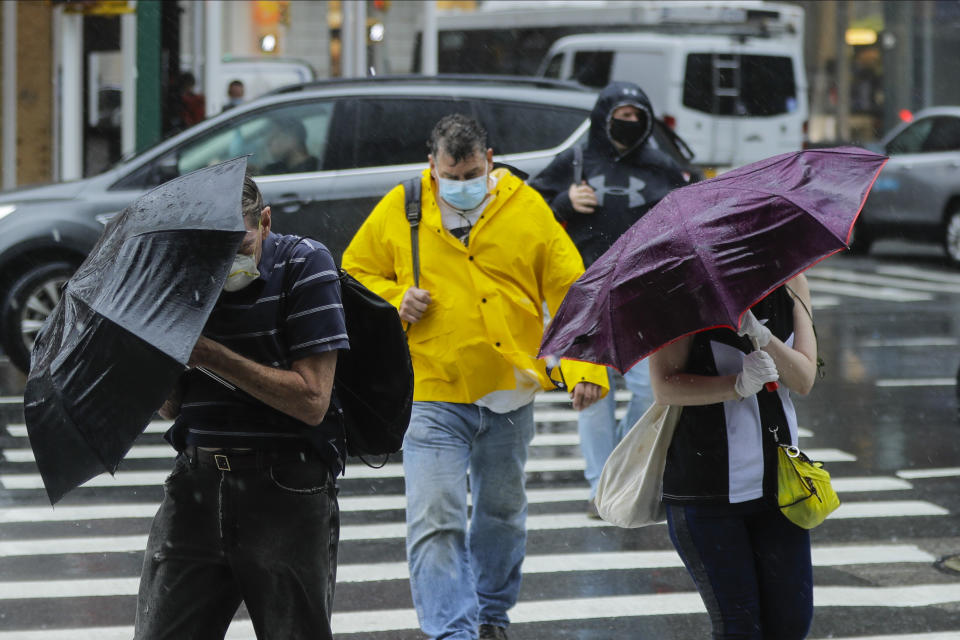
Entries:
{"x":951,"y":236}
{"x":28,"y":304}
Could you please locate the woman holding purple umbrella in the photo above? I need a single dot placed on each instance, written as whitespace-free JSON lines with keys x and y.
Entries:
{"x":751,"y":565}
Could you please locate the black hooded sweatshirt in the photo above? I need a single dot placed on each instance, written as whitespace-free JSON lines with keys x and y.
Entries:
{"x":626,"y":185}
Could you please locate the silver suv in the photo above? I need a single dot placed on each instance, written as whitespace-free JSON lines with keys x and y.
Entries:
{"x":917,"y":195}
{"x":354,"y":141}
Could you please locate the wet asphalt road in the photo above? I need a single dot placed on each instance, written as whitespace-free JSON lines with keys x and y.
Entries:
{"x":884,"y":419}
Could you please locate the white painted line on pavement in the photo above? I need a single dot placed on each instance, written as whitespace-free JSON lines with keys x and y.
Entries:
{"x":166,"y":452}
{"x":391,"y":530}
{"x":552,"y":397}
{"x":919,"y":274}
{"x":931,"y":341}
{"x":889,"y":280}
{"x":916,"y":382}
{"x":829,"y":455}
{"x":869,"y":483}
{"x":823,"y":302}
{"x":917,"y":474}
{"x":888,"y":509}
{"x":868,"y":292}
{"x":550,"y":611}
{"x":125,"y":478}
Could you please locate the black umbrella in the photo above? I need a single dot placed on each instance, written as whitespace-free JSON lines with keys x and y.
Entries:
{"x":127,"y":322}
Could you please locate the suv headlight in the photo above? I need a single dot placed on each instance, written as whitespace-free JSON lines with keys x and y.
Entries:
{"x":7,"y":209}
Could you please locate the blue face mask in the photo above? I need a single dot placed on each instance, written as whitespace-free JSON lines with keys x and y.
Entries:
{"x":463,"y":194}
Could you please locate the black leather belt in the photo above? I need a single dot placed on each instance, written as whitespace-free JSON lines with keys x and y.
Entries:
{"x":244,"y":460}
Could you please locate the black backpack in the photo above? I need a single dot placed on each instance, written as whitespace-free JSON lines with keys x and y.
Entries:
{"x":374,"y":379}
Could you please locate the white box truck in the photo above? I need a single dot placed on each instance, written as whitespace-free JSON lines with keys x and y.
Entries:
{"x":728,"y":77}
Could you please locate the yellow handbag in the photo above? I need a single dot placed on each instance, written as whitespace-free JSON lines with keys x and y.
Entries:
{"x":804,"y":492}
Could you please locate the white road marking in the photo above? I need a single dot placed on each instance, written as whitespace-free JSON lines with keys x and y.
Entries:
{"x":917,"y":474}
{"x":918,"y":274}
{"x":863,"y":291}
{"x":69,"y":513}
{"x":392,"y":530}
{"x":536,"y":611}
{"x":923,"y":341}
{"x":889,"y":280}
{"x":916,"y":382}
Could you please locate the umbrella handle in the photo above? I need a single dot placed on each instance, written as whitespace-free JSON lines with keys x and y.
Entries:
{"x":770,"y":386}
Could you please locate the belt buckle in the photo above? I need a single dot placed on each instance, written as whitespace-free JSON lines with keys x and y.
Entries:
{"x":222,"y":461}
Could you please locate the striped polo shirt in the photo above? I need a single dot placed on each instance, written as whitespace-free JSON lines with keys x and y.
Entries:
{"x":291,"y":311}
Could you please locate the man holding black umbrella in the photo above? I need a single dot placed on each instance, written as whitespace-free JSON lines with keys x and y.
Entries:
{"x":250,"y":511}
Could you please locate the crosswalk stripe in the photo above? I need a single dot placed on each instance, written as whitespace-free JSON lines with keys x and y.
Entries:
{"x":865,"y":291}
{"x":918,"y":274}
{"x":557,"y":610}
{"x":922,"y":341}
{"x":125,"y":478}
{"x":888,"y":280}
{"x":19,"y":430}
{"x":916,"y":382}
{"x":917,"y":474}
{"x":533,"y":564}
{"x":69,"y":513}
{"x":397,"y":530}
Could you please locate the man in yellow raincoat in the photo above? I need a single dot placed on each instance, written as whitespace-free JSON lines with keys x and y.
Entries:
{"x":491,"y":253}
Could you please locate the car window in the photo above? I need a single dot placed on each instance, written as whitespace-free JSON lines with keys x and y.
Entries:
{"x":392,"y":131}
{"x":285,"y":139}
{"x":592,"y":68}
{"x":944,"y":136}
{"x":289,"y":139}
{"x":554,"y":66}
{"x":515,"y":127}
{"x":739,"y":85}
{"x":911,"y":139}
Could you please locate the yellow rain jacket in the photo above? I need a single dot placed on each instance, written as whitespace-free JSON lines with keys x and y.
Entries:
{"x":486,"y":314}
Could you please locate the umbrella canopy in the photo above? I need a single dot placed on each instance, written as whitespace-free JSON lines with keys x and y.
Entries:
{"x":709,"y":251}
{"x":127,"y":322}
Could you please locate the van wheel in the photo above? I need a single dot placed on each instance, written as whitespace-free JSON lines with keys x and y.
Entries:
{"x":951,"y":236}
{"x":860,"y":240}
{"x":28,"y":304}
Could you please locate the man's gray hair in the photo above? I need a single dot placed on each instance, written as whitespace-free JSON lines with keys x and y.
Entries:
{"x":460,"y":136}
{"x":251,"y":202}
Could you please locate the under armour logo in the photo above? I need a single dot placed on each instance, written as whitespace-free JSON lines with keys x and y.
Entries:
{"x":634,"y":191}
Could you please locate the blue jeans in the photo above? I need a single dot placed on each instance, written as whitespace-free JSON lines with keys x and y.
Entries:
{"x":462,"y":577}
{"x":751,"y":565}
{"x":599,"y":429}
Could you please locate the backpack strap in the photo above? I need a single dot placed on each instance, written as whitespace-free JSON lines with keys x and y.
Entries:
{"x":411,"y":190}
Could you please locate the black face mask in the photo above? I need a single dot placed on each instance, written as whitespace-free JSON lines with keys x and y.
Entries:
{"x":627,"y":132}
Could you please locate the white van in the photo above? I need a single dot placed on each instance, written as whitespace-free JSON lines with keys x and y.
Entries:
{"x":733,"y":98}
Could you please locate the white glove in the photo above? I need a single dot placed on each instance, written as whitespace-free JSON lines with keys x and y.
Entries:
{"x":758,"y":369}
{"x":751,"y":327}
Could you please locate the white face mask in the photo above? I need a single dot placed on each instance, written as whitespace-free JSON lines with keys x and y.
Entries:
{"x":243,"y":272}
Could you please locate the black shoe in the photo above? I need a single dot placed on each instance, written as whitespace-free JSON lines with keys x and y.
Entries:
{"x":492,"y":632}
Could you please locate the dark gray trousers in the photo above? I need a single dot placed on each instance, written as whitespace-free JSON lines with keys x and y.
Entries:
{"x":266,"y":536}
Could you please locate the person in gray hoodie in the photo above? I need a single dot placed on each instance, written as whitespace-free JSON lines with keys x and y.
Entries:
{"x":598,"y":191}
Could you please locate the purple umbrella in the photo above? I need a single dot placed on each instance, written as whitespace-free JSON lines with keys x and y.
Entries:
{"x":709,"y":251}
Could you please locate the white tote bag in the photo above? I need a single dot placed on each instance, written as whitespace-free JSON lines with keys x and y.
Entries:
{"x":630,"y":488}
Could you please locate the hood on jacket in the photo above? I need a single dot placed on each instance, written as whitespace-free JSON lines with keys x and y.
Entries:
{"x":617,"y":94}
